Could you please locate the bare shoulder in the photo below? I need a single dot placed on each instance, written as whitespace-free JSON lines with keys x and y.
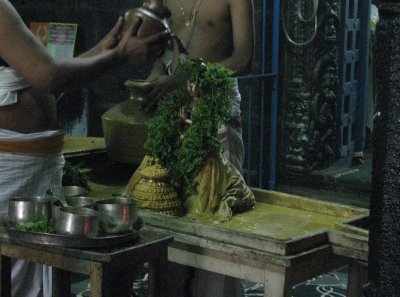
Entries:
{"x":240,"y":3}
{"x":8,"y":16}
{"x":6,"y":10}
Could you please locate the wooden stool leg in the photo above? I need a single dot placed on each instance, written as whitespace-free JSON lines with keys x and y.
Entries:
{"x":61,"y":286}
{"x":96,"y":280}
{"x":118,"y":279}
{"x":275,"y":284}
{"x":157,"y":269}
{"x":5,"y":270}
{"x":357,"y":276}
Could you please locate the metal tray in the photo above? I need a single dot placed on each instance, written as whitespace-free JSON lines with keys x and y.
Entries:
{"x":104,"y":240}
{"x":280,"y":223}
{"x":81,"y":146}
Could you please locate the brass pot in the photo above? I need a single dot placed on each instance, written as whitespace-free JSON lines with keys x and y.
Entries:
{"x":155,"y":18}
{"x":124,"y":127}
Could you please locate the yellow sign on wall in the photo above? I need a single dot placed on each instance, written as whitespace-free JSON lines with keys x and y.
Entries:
{"x":59,"y":38}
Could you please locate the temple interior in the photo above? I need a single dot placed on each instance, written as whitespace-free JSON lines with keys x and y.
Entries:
{"x":313,"y":210}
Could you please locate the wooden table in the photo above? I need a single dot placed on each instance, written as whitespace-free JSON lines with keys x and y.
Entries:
{"x":355,"y":248}
{"x":282,"y":242}
{"x":279,"y":258}
{"x":105,"y":266}
{"x":278,"y":273}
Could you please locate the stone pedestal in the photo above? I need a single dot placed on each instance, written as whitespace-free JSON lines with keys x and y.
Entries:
{"x":384,"y":241}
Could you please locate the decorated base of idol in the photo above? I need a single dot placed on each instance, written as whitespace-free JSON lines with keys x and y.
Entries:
{"x":184,"y":171}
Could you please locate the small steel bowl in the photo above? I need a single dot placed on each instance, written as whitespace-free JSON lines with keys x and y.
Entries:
{"x":68,"y":191}
{"x":71,"y":201}
{"x":117,"y":215}
{"x":28,"y":209}
{"x":78,"y":221}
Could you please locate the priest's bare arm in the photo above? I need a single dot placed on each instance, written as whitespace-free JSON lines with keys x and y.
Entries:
{"x":36,"y":106}
{"x":23,"y":52}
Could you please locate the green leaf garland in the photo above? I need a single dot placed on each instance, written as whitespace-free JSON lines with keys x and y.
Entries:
{"x":184,"y":156}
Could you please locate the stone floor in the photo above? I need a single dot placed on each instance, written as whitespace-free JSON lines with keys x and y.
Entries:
{"x":332,"y":284}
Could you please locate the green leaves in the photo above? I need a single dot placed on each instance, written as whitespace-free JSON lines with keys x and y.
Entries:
{"x":72,"y":176}
{"x":41,"y":225}
{"x":182,"y":149}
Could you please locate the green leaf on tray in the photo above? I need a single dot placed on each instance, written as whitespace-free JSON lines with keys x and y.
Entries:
{"x":72,"y":176}
{"x":41,"y":225}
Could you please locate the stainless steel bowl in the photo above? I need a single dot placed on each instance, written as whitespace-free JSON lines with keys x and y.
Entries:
{"x":117,"y":215}
{"x":78,"y":221}
{"x":71,"y":201}
{"x":28,"y":209}
{"x":69,"y":191}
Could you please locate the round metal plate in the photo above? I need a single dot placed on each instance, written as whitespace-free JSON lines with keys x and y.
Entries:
{"x":72,"y":242}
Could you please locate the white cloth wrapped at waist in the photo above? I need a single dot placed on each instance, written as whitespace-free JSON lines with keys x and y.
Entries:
{"x":236,"y":99}
{"x":235,"y":109}
{"x":28,"y":175}
{"x":10,"y":83}
{"x":9,"y":135}
{"x":44,"y":143}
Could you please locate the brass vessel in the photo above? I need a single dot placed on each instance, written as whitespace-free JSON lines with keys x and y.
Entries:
{"x":155,"y":18}
{"x":124,"y":126}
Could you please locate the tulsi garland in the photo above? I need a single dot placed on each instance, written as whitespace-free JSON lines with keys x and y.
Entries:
{"x":204,"y":99}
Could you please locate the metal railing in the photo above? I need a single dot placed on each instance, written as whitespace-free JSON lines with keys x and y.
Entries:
{"x":261,"y":104}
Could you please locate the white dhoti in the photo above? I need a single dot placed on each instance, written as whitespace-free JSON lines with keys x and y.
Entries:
{"x":28,"y":174}
{"x":230,"y":136}
{"x":10,"y":83}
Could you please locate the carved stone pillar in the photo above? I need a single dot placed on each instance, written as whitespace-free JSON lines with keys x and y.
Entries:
{"x":384,"y":242}
{"x":311,"y":83}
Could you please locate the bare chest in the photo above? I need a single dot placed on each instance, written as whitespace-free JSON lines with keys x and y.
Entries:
{"x":207,"y":15}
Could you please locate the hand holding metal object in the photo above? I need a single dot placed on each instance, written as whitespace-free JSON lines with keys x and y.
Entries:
{"x":155,"y":18}
{"x":58,"y":194}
